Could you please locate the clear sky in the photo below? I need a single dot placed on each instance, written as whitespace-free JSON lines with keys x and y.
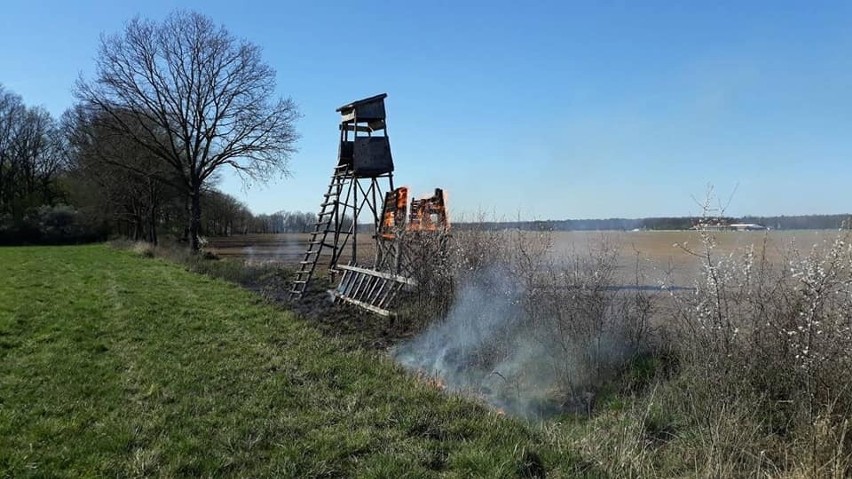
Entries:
{"x":537,"y":110}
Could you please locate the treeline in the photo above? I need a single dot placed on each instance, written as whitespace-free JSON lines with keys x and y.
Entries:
{"x":291,"y":222}
{"x":803,"y":222}
{"x":71,"y":180}
{"x":665,"y":223}
{"x":34,"y":166}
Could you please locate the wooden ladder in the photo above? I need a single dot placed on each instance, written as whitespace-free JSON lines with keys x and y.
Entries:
{"x":323,"y":226}
{"x":370,"y":289}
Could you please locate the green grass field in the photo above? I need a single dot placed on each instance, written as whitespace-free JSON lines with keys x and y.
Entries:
{"x":116,"y":365}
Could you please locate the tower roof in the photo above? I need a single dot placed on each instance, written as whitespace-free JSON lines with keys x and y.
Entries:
{"x":365,"y":101}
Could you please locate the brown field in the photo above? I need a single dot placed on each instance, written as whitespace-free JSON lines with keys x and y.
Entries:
{"x":656,"y":255}
{"x":286,"y":249}
{"x":664,"y":255}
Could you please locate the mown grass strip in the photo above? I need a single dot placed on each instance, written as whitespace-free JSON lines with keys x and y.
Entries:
{"x":115,"y":365}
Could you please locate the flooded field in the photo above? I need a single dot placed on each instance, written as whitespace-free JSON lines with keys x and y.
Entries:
{"x":286,"y":249}
{"x":655,"y":255}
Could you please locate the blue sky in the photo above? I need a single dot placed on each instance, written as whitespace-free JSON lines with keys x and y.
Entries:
{"x":537,"y":110}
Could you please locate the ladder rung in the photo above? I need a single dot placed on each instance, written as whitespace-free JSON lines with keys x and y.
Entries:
{"x":307,"y":262}
{"x":299,"y":281}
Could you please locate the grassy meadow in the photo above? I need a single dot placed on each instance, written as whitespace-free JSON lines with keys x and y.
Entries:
{"x":116,"y":365}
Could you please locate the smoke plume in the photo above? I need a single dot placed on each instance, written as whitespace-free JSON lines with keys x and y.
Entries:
{"x":526,"y":354}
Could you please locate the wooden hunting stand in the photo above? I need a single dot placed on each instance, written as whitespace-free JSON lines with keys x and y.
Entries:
{"x":364,"y":171}
{"x":361,"y":188}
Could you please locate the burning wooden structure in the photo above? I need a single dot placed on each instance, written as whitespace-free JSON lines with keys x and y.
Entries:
{"x":362,"y":189}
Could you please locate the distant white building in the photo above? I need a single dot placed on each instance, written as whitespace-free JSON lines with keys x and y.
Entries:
{"x":731,"y":227}
{"x":748,"y":227}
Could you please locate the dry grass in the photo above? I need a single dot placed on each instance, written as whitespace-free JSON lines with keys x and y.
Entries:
{"x":143,"y":249}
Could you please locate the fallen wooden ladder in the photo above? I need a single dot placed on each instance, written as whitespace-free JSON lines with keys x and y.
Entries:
{"x":369,"y":289}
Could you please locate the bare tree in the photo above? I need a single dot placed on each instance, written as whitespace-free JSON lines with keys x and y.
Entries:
{"x":112,"y":176}
{"x":197,"y":98}
{"x":31,"y":156}
{"x":12,"y":112}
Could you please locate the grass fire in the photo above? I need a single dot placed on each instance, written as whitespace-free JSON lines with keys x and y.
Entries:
{"x":414,"y":239}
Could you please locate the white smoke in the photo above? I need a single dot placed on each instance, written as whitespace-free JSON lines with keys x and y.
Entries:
{"x":489,"y":347}
{"x":477,"y":349}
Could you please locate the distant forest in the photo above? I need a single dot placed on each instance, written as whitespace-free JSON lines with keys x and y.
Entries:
{"x":667,"y":223}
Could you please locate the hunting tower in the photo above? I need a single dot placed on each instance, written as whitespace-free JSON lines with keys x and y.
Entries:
{"x":364,"y":173}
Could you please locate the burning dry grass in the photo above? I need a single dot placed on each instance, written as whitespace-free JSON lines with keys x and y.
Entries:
{"x":531,"y":336}
{"x":431,"y":380}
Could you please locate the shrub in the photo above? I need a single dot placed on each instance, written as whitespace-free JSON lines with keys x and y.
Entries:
{"x":775,"y":341}
{"x":144,"y":249}
{"x":59,"y":224}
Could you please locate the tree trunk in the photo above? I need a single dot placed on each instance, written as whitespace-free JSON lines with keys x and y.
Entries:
{"x":153,"y":220}
{"x":137,"y":226}
{"x":194,"y":218}
{"x":152,"y":196}
{"x":185,"y":236}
